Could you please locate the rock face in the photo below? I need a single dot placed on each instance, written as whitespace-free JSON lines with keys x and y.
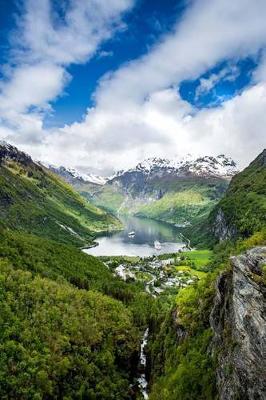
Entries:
{"x":238,"y":320}
{"x":221,"y":229}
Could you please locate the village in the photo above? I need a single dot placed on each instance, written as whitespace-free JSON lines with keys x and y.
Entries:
{"x":159,"y":274}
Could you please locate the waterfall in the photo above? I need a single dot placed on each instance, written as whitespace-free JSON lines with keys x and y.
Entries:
{"x":142,"y":381}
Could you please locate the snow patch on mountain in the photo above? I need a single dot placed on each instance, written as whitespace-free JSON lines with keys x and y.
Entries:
{"x":99,"y":180}
{"x":71,"y":174}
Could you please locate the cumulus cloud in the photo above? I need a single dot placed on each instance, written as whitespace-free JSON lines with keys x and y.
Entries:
{"x":69,"y":38}
{"x":32,"y":85}
{"x":44,"y":44}
{"x":237,"y":128}
{"x":138,"y":111}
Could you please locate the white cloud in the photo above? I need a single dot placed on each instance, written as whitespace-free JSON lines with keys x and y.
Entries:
{"x":210,"y":31}
{"x":72,"y":39}
{"x":32,"y":85}
{"x":43,"y":47}
{"x":164,"y":126}
{"x":138,"y":111}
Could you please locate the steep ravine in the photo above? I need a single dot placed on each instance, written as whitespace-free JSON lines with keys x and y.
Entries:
{"x":239,"y":325}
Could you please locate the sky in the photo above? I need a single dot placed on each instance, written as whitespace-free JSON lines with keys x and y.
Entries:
{"x":101,"y":85}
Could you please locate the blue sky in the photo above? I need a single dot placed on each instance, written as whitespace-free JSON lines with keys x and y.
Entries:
{"x":147,"y":22}
{"x":130,"y":79}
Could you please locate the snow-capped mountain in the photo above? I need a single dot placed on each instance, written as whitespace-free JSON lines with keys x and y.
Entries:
{"x":205,"y":179}
{"x":151,"y":168}
{"x":71,"y":175}
{"x":207,"y":166}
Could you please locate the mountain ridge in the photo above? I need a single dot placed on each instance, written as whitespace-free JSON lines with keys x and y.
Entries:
{"x":219,"y":166}
{"x":32,"y":199}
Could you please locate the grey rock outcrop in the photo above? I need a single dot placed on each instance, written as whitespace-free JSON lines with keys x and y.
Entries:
{"x":221,"y":228}
{"x":238,"y":320}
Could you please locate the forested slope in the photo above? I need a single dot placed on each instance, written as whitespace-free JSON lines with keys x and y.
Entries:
{"x":68,"y":328}
{"x":34,"y":200}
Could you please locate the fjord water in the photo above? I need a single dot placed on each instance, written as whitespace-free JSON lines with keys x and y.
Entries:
{"x":142,"y":244}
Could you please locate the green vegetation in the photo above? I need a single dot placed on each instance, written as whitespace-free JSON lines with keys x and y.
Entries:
{"x":52,"y":260}
{"x":199,"y":259}
{"x":66,"y":263}
{"x":182,"y":366}
{"x":180,"y":199}
{"x":190,"y":270}
{"x":60,"y":342}
{"x":108,"y":198}
{"x":181,"y":207}
{"x":69,"y":328}
{"x":242,"y":210}
{"x":36,"y":201}
{"x":244,"y":205}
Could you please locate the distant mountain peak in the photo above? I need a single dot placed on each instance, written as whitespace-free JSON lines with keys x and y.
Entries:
{"x":219,"y":166}
{"x":70,"y":174}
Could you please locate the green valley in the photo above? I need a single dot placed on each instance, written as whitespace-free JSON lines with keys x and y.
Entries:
{"x":181,"y":193}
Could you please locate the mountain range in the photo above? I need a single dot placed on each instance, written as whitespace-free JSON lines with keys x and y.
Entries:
{"x":220,"y":166}
{"x":175,"y":191}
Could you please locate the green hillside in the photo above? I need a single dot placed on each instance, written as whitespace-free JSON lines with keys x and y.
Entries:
{"x":34,"y":200}
{"x":69,"y":328}
{"x":185,"y":200}
{"x":107,"y":197}
{"x":179,"y":208}
{"x":244,"y":205}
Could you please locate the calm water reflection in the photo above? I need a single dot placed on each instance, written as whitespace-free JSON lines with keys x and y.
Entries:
{"x":146,"y":232}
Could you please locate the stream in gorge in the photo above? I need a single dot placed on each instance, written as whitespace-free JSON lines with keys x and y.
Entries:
{"x":142,"y":381}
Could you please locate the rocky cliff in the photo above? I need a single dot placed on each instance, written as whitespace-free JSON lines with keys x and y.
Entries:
{"x":239,"y":325}
{"x":222,"y":230}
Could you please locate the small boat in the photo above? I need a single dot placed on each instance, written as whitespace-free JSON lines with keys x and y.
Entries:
{"x":131,"y":234}
{"x":157,"y":245}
